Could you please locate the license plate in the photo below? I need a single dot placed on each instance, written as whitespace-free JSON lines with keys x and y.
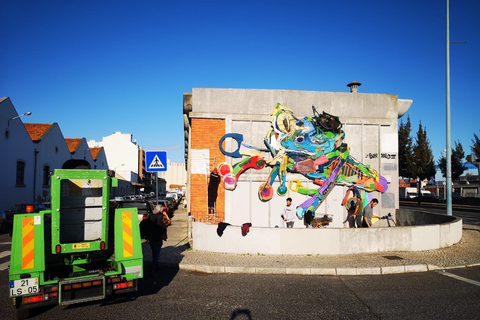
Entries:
{"x":23,"y":286}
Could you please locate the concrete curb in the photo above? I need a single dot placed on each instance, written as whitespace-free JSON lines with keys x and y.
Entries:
{"x":355,"y":271}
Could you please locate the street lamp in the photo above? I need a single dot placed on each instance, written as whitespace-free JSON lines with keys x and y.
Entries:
{"x":7,"y":132}
{"x":115,"y":169}
{"x":25,"y":114}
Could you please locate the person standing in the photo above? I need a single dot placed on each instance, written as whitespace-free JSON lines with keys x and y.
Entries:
{"x":154,"y":229}
{"x":358,"y":212}
{"x":288,"y":214}
{"x":368,"y":213}
{"x":352,"y":212}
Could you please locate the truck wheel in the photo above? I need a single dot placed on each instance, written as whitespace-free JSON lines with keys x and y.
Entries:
{"x":21,"y":314}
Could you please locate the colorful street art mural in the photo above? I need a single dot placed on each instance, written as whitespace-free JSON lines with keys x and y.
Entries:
{"x":312,"y":146}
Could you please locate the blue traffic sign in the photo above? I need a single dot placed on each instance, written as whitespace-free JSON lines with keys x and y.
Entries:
{"x":156,"y":161}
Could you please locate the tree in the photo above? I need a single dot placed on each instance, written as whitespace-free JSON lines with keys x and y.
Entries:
{"x":458,"y":164}
{"x":405,"y":149}
{"x":476,"y":147}
{"x":421,"y":163}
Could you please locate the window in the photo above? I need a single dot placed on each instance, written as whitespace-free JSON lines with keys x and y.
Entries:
{"x":46,"y":176}
{"x":20,"y":173}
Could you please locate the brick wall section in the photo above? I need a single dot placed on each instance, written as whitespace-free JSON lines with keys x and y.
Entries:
{"x":205,"y":134}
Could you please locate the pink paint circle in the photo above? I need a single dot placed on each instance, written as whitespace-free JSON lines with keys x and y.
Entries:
{"x":265,"y":192}
{"x":229,"y":181}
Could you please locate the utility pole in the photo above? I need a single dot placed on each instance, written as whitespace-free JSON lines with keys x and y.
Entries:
{"x":449,"y":148}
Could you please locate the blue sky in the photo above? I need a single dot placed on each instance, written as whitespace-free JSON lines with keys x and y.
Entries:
{"x":96,"y":67}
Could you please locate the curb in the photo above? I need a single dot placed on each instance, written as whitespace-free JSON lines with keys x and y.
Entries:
{"x":357,"y":271}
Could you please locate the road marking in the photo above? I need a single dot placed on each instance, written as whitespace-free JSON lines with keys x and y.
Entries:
{"x":5,"y":243}
{"x":4,"y":265}
{"x":4,"y":254}
{"x":451,"y":275}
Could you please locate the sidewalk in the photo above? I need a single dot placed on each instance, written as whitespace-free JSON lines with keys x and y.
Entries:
{"x":176,"y":252}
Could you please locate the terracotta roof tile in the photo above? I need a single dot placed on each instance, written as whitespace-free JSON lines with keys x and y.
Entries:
{"x":72,"y":144}
{"x":95,"y":152}
{"x":37,"y":130}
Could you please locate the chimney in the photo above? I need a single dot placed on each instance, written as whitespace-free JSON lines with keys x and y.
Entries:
{"x":354,"y":86}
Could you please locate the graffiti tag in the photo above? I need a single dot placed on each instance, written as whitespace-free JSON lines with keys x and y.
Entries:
{"x":383,"y":156}
{"x":388,"y":156}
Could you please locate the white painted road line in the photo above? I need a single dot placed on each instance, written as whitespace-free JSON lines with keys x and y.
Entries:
{"x":4,"y":254}
{"x":451,"y":275}
{"x":4,"y":265}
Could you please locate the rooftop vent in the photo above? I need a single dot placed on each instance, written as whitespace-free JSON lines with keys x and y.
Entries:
{"x":354,"y":86}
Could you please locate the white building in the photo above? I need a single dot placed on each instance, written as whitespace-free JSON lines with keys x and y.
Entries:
{"x":127,"y":159}
{"x":122,"y":154}
{"x":31,"y":151}
{"x":175,"y":176}
{"x":17,"y":158}
{"x":370,"y":122}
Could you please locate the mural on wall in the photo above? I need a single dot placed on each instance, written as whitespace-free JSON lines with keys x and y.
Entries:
{"x":312,"y":146}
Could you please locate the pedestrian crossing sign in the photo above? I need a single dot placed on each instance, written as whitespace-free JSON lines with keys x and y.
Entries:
{"x":156,"y":161}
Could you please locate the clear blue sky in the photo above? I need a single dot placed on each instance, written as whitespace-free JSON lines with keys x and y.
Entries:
{"x":96,"y":67}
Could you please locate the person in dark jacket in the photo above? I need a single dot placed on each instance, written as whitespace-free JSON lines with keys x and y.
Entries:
{"x":155,"y":231}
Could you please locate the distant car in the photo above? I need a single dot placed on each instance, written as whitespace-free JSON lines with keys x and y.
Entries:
{"x":173,"y":202}
{"x":144,"y":207}
{"x":165,"y":203}
{"x":174,"y":195}
{"x":3,"y":222}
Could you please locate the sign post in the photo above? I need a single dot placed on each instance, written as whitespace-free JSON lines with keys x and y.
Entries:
{"x":156,"y":161}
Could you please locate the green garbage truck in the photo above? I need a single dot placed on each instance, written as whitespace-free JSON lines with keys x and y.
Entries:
{"x":80,"y":250}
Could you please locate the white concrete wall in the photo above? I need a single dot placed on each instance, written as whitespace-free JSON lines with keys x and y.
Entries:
{"x":18,"y":146}
{"x":175,"y":174}
{"x":325,"y":241}
{"x":370,"y":122}
{"x":120,"y":150}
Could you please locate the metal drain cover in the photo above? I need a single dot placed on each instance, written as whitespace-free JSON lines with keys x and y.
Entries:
{"x":393,"y":257}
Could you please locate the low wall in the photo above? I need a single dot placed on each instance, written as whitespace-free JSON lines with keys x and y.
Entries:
{"x":417,"y":217}
{"x":419,"y":235}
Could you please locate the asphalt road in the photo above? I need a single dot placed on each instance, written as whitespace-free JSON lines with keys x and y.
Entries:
{"x":178,"y":294}
{"x":469,"y":215}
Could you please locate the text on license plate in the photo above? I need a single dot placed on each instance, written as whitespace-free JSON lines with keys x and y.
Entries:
{"x":23,"y":286}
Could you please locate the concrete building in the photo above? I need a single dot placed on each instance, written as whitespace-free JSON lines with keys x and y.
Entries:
{"x":31,"y":151}
{"x":122,"y":154}
{"x":370,"y":123}
{"x":175,"y":176}
{"x":127,"y":159}
{"x":17,"y":160}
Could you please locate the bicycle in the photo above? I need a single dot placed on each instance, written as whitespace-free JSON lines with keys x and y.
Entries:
{"x":389,"y":218}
